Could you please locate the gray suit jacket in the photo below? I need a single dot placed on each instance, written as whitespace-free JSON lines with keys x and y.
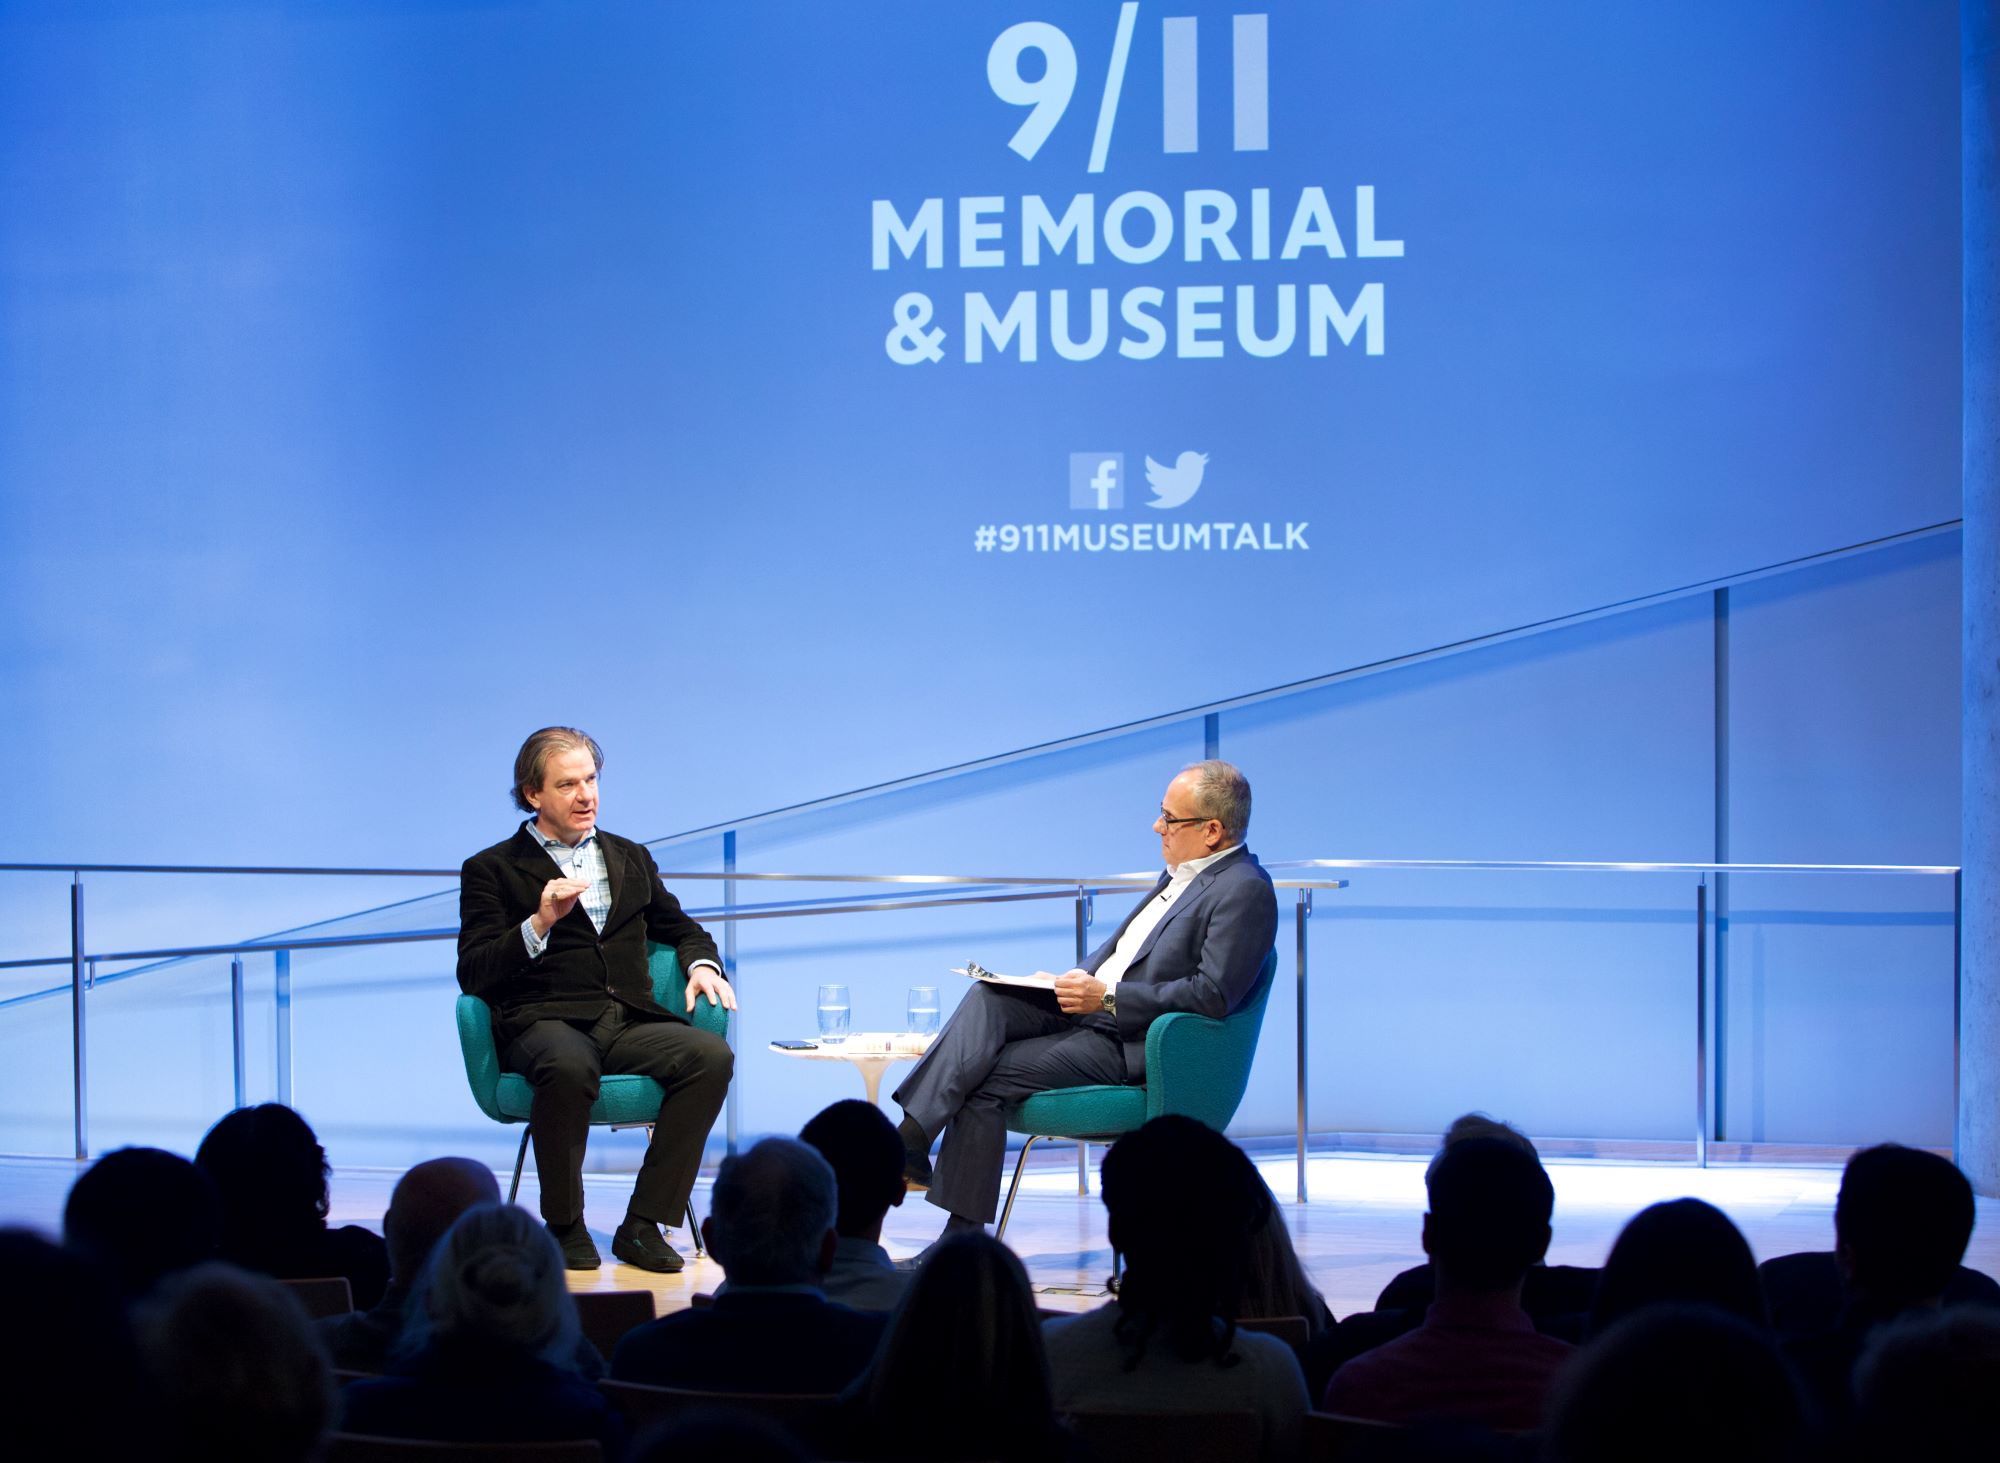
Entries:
{"x":1204,"y":956}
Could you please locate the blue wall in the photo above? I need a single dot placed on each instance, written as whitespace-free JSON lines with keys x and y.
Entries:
{"x":377,"y":383}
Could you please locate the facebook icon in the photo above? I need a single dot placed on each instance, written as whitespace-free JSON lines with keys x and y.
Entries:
{"x":1097,"y":480}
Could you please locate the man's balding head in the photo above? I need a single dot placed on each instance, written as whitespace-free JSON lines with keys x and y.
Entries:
{"x":428,"y":1200}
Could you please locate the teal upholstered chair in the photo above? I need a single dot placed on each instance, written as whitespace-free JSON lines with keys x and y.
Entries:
{"x":1196,"y":1066}
{"x":623,"y":1101}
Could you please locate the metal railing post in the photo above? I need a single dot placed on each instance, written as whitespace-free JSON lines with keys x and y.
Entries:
{"x":281,"y":985}
{"x":1304,"y":913}
{"x":1701,"y":1024}
{"x":1957,"y":995}
{"x":731,"y":1108}
{"x":1082,"y":950}
{"x":237,"y":1062}
{"x":79,"y":1056}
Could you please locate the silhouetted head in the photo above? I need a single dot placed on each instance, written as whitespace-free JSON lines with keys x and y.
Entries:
{"x":770,"y":1216}
{"x":1682,"y":1251}
{"x":1673,"y":1383}
{"x":961,"y":1372}
{"x":866,"y":1156}
{"x":1928,"y":1387}
{"x":1490,"y":1204}
{"x":140,"y":1214}
{"x":270,"y":1174}
{"x":1901,"y":1224}
{"x":426,"y":1203}
{"x":65,"y":1347}
{"x":1153,"y":1179}
{"x":1482,"y":1125}
{"x":236,"y":1367}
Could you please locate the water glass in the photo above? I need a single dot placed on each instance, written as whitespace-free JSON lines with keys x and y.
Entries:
{"x":923,"y":1009}
{"x":834,"y":1013}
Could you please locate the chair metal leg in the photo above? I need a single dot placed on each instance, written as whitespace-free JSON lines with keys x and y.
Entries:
{"x":1014,"y":1188}
{"x":519,"y":1159}
{"x":1083,"y":1168}
{"x":694,"y":1228}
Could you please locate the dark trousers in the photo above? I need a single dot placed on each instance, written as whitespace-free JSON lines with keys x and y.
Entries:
{"x":1002,"y":1044}
{"x":564,"y":1059}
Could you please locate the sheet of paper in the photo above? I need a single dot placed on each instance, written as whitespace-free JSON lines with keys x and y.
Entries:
{"x":1041,"y":980}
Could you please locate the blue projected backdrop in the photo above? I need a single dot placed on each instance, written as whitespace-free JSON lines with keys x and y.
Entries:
{"x":911,"y":382}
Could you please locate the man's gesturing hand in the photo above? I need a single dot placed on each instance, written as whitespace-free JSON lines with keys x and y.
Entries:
{"x":559,"y":897}
{"x":1079,"y":994}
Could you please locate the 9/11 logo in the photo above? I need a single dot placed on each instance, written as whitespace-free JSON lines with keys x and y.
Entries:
{"x":1050,"y":93}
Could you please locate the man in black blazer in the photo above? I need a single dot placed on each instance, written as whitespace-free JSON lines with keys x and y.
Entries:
{"x":1196,"y":942}
{"x":553,"y":927}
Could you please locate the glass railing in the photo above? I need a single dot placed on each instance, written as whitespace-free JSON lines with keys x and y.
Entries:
{"x":229,"y":1022}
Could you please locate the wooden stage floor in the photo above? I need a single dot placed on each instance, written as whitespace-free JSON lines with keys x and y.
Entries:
{"x":1358,"y":1230}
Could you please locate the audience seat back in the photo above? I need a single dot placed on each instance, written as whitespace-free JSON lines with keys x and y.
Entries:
{"x":322,"y":1295}
{"x":360,"y":1448}
{"x":1146,"y":1437}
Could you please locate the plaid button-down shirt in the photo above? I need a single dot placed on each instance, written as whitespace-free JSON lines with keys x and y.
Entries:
{"x":585,"y":861}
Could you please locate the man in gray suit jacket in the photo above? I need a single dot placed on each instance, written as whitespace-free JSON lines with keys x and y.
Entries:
{"x":1195,"y":943}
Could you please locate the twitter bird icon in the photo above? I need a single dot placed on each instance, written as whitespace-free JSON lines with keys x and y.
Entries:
{"x":1173,"y":486}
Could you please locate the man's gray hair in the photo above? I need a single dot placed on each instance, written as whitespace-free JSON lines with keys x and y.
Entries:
{"x":770,"y":1212}
{"x":497,"y":1277}
{"x":1223,"y":793}
{"x":531,"y":763}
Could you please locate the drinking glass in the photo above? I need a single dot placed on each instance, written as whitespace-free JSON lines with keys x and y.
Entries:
{"x":834,"y":1013}
{"x":923,"y":1009}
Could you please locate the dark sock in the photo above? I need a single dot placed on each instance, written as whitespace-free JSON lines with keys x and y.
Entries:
{"x":913,"y":1137}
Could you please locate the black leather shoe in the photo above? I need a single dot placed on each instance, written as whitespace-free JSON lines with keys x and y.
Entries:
{"x":916,"y":1170}
{"x":638,"y":1242}
{"x":578,"y":1252}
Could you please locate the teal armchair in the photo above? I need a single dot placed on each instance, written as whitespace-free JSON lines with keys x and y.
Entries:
{"x":623,"y":1100}
{"x":1196,"y":1066}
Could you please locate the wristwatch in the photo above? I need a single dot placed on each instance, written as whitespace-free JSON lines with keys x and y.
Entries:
{"x":1110,"y":999}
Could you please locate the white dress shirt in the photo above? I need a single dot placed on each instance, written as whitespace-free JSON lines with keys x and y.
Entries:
{"x":1179,"y":876}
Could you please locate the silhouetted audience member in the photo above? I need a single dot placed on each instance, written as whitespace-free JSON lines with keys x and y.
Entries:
{"x":490,"y":1348}
{"x":1683,"y":1251}
{"x":1900,"y":1225}
{"x":270,"y":1174}
{"x":961,"y":1372}
{"x":141,"y":1214}
{"x":1669,"y":1384}
{"x":770,"y":1226}
{"x":1805,"y":1292}
{"x":70,"y":1384}
{"x":866,"y":1156}
{"x":1183,"y":1203}
{"x":1477,"y":1357}
{"x":1556,"y":1297}
{"x":237,"y":1370}
{"x":426,"y":1203}
{"x":1928,"y":1387}
{"x":1275,"y":1283}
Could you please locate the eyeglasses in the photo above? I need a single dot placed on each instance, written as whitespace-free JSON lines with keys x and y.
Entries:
{"x":1170,"y":820}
